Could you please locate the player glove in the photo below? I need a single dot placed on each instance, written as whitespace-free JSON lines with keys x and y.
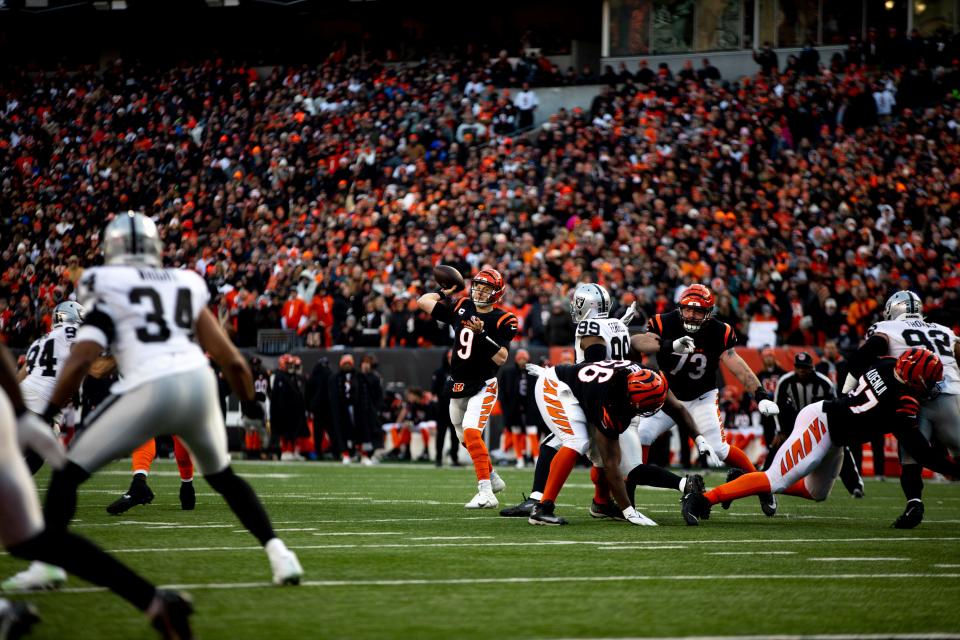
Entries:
{"x":708,"y":452}
{"x":35,"y":434}
{"x":535,"y":370}
{"x":684,"y":345}
{"x":765,"y":405}
{"x":635,"y":517}
{"x":629,"y":314}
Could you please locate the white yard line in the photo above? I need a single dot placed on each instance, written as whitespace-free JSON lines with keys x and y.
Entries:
{"x":551,"y":579}
{"x":855,"y":559}
{"x":453,"y":538}
{"x":638,"y":547}
{"x":947,"y":566}
{"x":751,"y":553}
{"x":812,"y":636}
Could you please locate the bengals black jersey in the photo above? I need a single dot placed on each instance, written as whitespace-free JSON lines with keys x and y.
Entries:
{"x":601,"y":390}
{"x":691,"y":375}
{"x":879,"y":404}
{"x":472,"y":364}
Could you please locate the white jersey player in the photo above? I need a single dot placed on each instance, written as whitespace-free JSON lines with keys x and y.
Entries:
{"x":152,"y":320}
{"x":904,"y":328}
{"x":46,"y":356}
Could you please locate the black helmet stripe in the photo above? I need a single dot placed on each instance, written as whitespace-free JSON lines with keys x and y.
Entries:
{"x":603,"y":302}
{"x":133,"y":234}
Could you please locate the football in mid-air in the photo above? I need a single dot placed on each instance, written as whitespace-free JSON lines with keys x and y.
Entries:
{"x":447,"y":277}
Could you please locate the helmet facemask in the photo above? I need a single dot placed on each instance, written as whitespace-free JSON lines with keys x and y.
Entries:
{"x":694,"y":316}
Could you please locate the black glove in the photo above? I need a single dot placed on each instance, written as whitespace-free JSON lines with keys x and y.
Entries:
{"x":251,"y":409}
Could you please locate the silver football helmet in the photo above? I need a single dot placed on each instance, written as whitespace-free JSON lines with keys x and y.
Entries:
{"x":68,"y":312}
{"x":902,"y":303}
{"x":132,"y":238}
{"x":589,"y":301}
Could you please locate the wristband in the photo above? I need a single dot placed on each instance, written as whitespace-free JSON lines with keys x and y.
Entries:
{"x":760,"y":394}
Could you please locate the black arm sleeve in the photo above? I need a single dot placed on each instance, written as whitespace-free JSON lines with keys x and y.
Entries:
{"x":921,"y":451}
{"x":443,"y":311}
{"x":595,"y":352}
{"x":873,"y":348}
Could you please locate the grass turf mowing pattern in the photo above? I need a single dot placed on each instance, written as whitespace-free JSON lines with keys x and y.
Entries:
{"x":408,"y":523}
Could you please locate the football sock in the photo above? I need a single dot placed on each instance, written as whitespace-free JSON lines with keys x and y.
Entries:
{"x":184,"y":463}
{"x":560,"y":469}
{"x":645,"y":448}
{"x":425,"y":435}
{"x":650,"y":475}
{"x":143,"y":456}
{"x":473,"y":439}
{"x":799,"y":489}
{"x":405,"y":436}
{"x":749,"y":484}
{"x":61,"y":503}
{"x":506,"y":440}
{"x":911,"y":481}
{"x":533,"y":442}
{"x":542,"y":471}
{"x":601,"y":489}
{"x":244,"y":503}
{"x":395,"y":437}
{"x":737,"y":458}
{"x":518,"y":442}
{"x":82,"y":558}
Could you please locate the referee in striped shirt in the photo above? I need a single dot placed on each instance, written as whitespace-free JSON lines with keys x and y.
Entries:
{"x":797,"y":389}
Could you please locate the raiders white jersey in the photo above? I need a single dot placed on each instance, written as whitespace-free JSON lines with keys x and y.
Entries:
{"x":614,"y":334}
{"x":909,"y":331}
{"x":146,"y":316}
{"x":44,"y":361}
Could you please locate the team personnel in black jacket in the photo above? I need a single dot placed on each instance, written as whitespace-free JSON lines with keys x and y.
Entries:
{"x":520,"y":408}
{"x":886,"y":398}
{"x":482,"y":335}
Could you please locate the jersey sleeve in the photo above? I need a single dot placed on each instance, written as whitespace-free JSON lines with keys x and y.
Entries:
{"x":729,"y":337}
{"x":444,"y":310}
{"x":506,"y":329}
{"x":98,"y":325}
{"x":655,"y":325}
{"x":907,"y":411}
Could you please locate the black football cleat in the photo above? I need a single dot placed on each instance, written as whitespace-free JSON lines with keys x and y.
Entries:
{"x":522,"y":510}
{"x":171,"y":615}
{"x":17,"y":619}
{"x":188,"y":496}
{"x":911,"y":517}
{"x":138,"y":493}
{"x":732,"y":474}
{"x":606,"y":511}
{"x":768,"y":504}
{"x":694,"y":506}
{"x":542,"y":514}
{"x":857,"y":493}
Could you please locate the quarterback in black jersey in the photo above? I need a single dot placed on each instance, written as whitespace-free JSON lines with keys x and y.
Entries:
{"x":482,"y":336}
{"x":589,"y":406}
{"x":886,"y":398}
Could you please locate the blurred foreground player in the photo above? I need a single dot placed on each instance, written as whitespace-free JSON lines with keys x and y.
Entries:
{"x":23,"y":534}
{"x":148,"y":317}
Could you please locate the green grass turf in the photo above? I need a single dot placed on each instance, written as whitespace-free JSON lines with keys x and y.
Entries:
{"x":322,"y":510}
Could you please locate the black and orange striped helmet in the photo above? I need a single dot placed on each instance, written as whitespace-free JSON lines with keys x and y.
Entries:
{"x":921,"y":370}
{"x":647,"y":391}
{"x":492,"y":279}
{"x":699,"y":299}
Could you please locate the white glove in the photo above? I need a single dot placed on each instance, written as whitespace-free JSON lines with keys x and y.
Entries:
{"x":629,"y":313}
{"x":849,"y":384}
{"x":768,"y":408}
{"x":535,"y":370}
{"x":35,"y":434}
{"x":635,"y":517}
{"x":684,"y":345}
{"x":705,"y":450}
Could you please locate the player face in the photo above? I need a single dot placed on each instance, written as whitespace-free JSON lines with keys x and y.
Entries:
{"x":481,"y":294}
{"x":769,"y":360}
{"x":693,"y":315}
{"x":522,"y":358}
{"x":804,"y":373}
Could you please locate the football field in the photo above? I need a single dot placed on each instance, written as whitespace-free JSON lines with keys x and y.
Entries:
{"x":390,"y":552}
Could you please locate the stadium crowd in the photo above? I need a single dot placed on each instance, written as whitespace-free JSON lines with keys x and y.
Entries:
{"x":318,"y":199}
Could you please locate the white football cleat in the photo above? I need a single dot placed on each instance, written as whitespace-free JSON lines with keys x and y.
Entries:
{"x":347,"y":460}
{"x":496,"y":482}
{"x":283,"y":562}
{"x":38,"y":576}
{"x":520,"y":463}
{"x":367,"y":461}
{"x":483,"y":500}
